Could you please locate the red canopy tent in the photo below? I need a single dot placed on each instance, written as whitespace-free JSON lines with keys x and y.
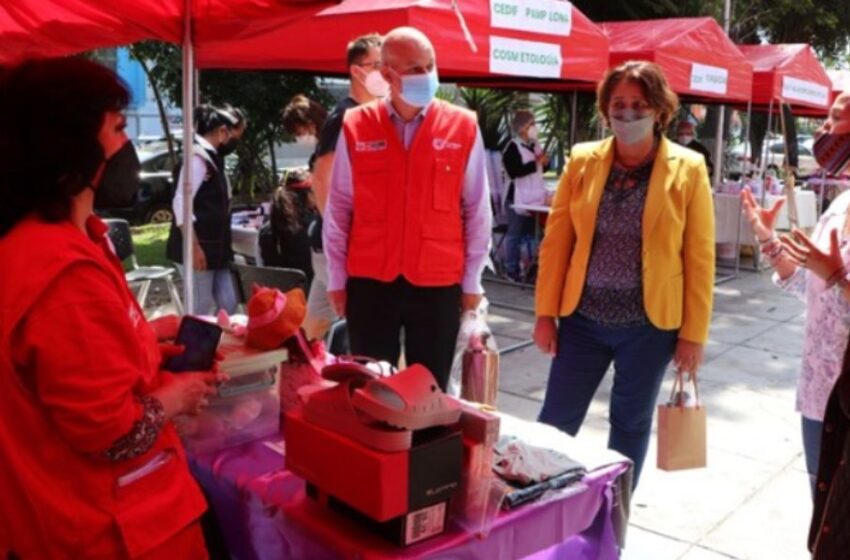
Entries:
{"x":36,"y":28}
{"x":789,"y":74}
{"x":840,"y":83}
{"x":699,"y":60}
{"x":39,"y":28}
{"x":474,"y":39}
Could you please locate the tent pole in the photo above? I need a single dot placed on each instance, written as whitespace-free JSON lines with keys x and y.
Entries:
{"x":718,"y":147}
{"x":573,"y":110}
{"x":721,"y":118}
{"x":765,"y":151}
{"x":188,"y":145}
{"x":747,"y":155}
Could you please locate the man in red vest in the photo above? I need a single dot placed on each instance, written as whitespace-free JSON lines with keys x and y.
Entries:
{"x":407,"y":224}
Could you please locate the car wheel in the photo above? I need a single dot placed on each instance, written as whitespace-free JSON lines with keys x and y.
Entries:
{"x":160,"y":215}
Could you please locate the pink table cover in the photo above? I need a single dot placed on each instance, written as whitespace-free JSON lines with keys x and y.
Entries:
{"x":264,"y":514}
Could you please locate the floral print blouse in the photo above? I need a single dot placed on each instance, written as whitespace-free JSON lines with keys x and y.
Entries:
{"x":827,"y":318}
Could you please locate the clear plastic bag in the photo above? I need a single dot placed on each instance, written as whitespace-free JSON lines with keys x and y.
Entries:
{"x":475,"y":370}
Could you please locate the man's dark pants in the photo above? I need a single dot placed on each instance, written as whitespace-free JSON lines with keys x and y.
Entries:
{"x":377,"y":312}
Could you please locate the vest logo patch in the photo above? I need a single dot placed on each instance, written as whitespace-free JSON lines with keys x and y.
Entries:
{"x":443,"y":144}
{"x":373,"y":146}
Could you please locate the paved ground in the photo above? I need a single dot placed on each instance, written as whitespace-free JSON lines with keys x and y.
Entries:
{"x":752,"y":501}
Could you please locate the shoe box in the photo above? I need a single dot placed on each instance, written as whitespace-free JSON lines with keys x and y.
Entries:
{"x":403,"y":494}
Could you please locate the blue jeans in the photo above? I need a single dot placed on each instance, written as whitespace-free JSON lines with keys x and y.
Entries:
{"x":585,"y":352}
{"x":811,"y":446}
{"x":213,"y":291}
{"x":520,"y":232}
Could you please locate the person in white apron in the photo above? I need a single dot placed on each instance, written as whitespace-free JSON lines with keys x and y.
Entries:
{"x":524,"y":162}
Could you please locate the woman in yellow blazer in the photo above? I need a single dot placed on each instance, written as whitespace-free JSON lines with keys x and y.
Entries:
{"x":627,"y":263}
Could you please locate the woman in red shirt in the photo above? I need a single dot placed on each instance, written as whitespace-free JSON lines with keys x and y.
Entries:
{"x":91,"y":465}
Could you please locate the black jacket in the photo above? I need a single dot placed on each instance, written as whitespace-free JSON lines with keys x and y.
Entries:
{"x":829,"y":534}
{"x":212,"y":217}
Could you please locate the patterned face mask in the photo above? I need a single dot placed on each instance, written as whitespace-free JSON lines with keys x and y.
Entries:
{"x":832,"y":152}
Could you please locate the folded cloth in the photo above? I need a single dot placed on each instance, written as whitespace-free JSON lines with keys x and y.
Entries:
{"x":519,"y":461}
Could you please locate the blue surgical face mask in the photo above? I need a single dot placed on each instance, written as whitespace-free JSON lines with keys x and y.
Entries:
{"x":419,"y":90}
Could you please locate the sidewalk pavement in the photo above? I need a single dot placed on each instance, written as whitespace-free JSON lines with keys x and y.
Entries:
{"x":752,"y":501}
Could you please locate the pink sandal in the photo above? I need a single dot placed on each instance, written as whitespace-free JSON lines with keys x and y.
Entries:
{"x":410,"y":399}
{"x":332,"y":409}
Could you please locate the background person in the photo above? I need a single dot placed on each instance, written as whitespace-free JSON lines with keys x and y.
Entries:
{"x":363,"y":56}
{"x":91,"y":458}
{"x":626,"y":265}
{"x":303,"y":118}
{"x":210,"y":228}
{"x":284,"y":241}
{"x":524,"y":161}
{"x":407,"y":226}
{"x":686,"y":135}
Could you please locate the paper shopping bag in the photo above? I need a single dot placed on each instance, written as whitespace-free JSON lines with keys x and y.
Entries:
{"x":681,"y":430}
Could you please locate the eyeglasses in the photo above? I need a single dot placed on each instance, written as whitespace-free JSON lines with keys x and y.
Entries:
{"x":376,"y":65}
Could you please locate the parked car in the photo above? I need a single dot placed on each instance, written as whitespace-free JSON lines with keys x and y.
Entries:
{"x":736,"y":163}
{"x":152,"y":203}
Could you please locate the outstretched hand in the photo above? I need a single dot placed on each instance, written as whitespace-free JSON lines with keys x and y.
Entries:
{"x":763,"y":220}
{"x":828,"y":265}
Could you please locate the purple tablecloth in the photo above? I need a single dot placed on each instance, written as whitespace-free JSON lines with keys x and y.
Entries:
{"x":264,"y":514}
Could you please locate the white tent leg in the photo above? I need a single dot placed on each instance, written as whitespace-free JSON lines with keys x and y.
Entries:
{"x":188,"y":145}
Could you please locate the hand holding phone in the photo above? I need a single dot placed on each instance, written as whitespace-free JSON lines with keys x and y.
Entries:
{"x":200,"y":340}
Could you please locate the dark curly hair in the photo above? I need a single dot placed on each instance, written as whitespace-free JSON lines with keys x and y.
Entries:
{"x":301,"y":112}
{"x":49,"y":147}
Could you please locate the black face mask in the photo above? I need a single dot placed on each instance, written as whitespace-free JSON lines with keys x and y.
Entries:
{"x":120,"y":180}
{"x":228,"y":147}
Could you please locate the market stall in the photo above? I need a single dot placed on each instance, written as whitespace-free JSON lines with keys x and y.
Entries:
{"x":699,"y":60}
{"x":247,"y":407}
{"x":790,"y":74}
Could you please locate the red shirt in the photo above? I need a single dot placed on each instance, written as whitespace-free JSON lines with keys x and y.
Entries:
{"x":75,"y":354}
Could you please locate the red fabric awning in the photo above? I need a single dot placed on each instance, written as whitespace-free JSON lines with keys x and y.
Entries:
{"x":509,"y":41}
{"x":699,"y":60}
{"x":40,"y":28}
{"x":790,"y":73}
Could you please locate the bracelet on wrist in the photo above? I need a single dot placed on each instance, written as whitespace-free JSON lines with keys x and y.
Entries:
{"x":773,"y":250}
{"x":773,"y":237}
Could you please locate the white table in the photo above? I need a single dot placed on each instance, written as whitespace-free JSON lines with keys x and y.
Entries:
{"x":728,"y":216}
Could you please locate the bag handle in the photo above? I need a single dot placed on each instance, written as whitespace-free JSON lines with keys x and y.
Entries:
{"x":679,"y":382}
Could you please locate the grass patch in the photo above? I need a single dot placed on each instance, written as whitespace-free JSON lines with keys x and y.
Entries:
{"x":149,"y":242}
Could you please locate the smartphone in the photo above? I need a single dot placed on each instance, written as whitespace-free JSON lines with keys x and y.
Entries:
{"x":200,"y":340}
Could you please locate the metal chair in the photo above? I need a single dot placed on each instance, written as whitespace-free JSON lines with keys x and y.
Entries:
{"x":122,"y":242}
{"x":284,"y":279}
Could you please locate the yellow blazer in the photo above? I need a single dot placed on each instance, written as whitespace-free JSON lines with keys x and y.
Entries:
{"x":678,"y":238}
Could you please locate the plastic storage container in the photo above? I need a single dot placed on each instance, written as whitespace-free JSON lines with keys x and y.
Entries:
{"x":247,"y":406}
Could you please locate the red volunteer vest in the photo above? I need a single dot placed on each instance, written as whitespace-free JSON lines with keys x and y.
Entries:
{"x":57,"y":501}
{"x":407,"y":218}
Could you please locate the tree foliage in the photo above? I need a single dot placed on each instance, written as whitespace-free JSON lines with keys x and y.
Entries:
{"x":262,"y":95}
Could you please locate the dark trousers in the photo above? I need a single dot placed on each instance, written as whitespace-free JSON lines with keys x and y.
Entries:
{"x":585,"y":352}
{"x":376,"y":313}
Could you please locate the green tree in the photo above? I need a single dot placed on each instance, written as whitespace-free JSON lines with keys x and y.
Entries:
{"x":261,"y":94}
